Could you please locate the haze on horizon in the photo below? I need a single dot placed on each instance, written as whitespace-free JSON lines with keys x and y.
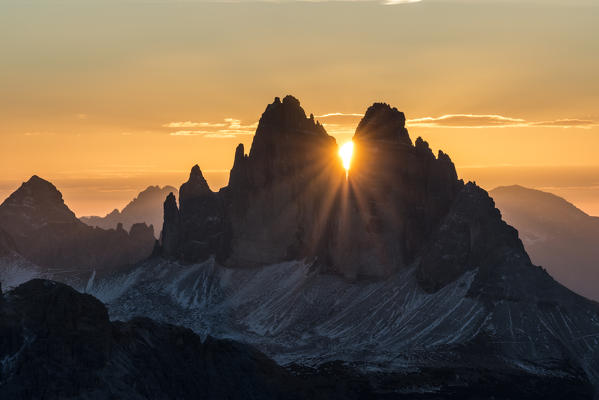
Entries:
{"x":105,"y":98}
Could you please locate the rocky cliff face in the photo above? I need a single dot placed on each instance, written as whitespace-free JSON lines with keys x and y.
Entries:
{"x":194,"y":231}
{"x":280,"y":199}
{"x":398,"y":193}
{"x":7,"y":245}
{"x":48,"y":234}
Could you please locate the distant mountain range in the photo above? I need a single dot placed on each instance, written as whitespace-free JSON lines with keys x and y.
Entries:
{"x":397,"y":280}
{"x":556,"y":235}
{"x":36,"y":224}
{"x":146,"y":207}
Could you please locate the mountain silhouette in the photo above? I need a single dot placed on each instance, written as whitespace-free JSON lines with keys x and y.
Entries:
{"x":397,"y":280}
{"x":145,"y":208}
{"x":401,"y":265}
{"x":47,"y":233}
{"x":556,"y":235}
{"x":289,"y":199}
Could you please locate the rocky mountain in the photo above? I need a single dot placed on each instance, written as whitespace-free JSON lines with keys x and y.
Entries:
{"x":272,"y":210}
{"x":556,"y":235}
{"x":290,"y":199}
{"x":400,"y":267}
{"x":397,"y":281}
{"x":46,"y":232}
{"x":146,"y":208}
{"x":7,"y":245}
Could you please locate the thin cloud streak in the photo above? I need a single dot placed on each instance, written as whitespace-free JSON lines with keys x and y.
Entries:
{"x":230,"y":128}
{"x":495,"y":121}
{"x":338,"y":114}
{"x":338,"y":123}
{"x":396,"y":2}
{"x":190,"y":124}
{"x":337,"y":120}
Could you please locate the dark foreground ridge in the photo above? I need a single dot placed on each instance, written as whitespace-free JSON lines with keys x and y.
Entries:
{"x":57,"y":343}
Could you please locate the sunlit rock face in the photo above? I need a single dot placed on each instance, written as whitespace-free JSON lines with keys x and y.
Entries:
{"x":45,"y":231}
{"x":289,"y":198}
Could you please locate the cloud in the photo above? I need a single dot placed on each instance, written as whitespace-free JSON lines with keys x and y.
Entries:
{"x":190,"y":124}
{"x":219,"y":135}
{"x":187,"y":133}
{"x":338,"y":114}
{"x":230,"y":128}
{"x":338,"y":123}
{"x":467,"y":121}
{"x":38,"y":134}
{"x":495,"y":121}
{"x":395,"y":2}
{"x":567,"y":123}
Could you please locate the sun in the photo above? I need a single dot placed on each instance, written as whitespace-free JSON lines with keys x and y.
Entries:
{"x":345,"y":152}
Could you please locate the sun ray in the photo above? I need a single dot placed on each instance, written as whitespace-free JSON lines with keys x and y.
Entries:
{"x":345,"y":152}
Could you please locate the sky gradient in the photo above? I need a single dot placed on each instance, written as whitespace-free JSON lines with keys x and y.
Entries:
{"x":106,"y":97}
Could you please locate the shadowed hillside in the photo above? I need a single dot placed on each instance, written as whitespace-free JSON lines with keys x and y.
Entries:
{"x":556,"y":234}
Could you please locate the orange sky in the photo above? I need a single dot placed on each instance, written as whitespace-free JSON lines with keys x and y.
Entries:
{"x":105,"y":98}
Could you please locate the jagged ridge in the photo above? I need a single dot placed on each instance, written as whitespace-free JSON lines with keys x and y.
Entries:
{"x":145,"y":208}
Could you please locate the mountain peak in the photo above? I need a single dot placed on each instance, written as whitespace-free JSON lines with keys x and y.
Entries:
{"x":285,"y":118}
{"x":40,"y":200}
{"x":291,"y":101}
{"x":286,"y":142}
{"x":196,"y":186}
{"x":383,"y":122}
{"x":39,"y":186}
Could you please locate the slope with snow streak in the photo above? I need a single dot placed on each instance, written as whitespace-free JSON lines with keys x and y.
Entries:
{"x":15,"y":270}
{"x":298,"y":315}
